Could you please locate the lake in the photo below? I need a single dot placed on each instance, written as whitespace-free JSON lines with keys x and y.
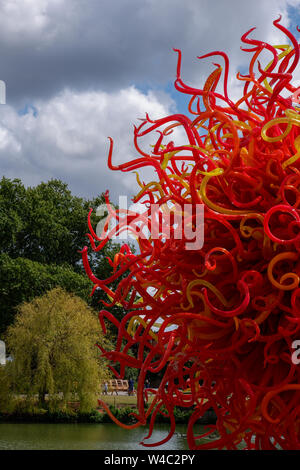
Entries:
{"x":40,"y":436}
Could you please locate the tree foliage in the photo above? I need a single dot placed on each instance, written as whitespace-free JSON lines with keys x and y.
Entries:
{"x":7,"y":402}
{"x":45,"y":223}
{"x":42,"y":230}
{"x":52,"y":343}
{"x":22,"y":280}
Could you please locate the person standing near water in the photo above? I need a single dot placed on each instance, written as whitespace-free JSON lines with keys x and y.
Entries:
{"x":105,"y":388}
{"x":130,"y":387}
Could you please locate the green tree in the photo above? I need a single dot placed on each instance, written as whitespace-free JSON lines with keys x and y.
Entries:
{"x":42,"y":230}
{"x":45,"y":223}
{"x":7,"y":402}
{"x":21,"y":280}
{"x":52,"y":343}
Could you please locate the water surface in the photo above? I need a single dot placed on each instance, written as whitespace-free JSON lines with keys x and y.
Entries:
{"x":41,"y":436}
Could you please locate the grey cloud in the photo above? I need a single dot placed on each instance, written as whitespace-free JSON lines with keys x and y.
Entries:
{"x":75,"y":61}
{"x":47,"y":45}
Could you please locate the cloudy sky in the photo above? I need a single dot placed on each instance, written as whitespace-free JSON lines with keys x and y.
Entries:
{"x":77,"y":71}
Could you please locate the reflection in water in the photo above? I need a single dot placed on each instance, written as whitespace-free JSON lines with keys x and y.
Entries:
{"x":84,"y":437}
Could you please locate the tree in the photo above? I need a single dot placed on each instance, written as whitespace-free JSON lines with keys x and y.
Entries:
{"x":52,"y":343}
{"x":42,"y":230}
{"x":45,"y":223}
{"x":7,"y":402}
{"x":21,"y":280}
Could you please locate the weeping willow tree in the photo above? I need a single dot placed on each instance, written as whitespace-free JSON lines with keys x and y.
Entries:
{"x":7,"y":401}
{"x":52,"y":343}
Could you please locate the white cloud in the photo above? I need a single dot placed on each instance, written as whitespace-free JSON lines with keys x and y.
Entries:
{"x":68,"y":137}
{"x":77,"y":62}
{"x":26,"y":19}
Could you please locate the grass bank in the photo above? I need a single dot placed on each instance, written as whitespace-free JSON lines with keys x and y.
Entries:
{"x":122,"y":407}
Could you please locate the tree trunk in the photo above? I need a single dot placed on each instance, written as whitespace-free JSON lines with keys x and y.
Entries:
{"x":42,"y":397}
